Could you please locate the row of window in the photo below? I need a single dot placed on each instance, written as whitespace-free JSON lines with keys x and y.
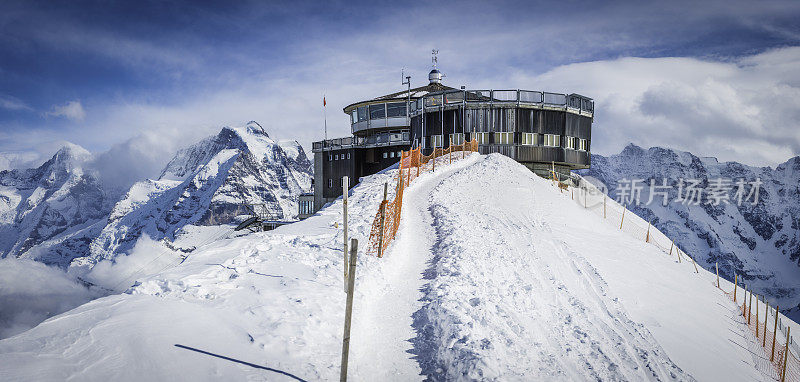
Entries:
{"x":333,"y":157}
{"x":307,"y":206}
{"x":391,"y":154}
{"x":507,"y":138}
{"x":378,"y":111}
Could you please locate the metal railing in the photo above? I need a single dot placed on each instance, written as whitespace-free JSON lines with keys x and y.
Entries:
{"x":573,"y":102}
{"x":382,"y":139}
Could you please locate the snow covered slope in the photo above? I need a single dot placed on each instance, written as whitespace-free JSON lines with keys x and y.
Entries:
{"x":761,"y":243}
{"x":206,"y":184}
{"x":52,"y":212}
{"x":494,"y":275}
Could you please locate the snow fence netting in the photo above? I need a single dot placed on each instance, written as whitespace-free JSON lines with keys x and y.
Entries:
{"x":412,"y":164}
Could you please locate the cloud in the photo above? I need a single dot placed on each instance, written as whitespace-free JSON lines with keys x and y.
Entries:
{"x":72,"y":110}
{"x":147,"y":257}
{"x":31,"y":292}
{"x":13,"y":103}
{"x":743,"y":110}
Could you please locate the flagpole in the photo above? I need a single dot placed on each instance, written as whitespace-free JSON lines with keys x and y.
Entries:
{"x":325,"y":116}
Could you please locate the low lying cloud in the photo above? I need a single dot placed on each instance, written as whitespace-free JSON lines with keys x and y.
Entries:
{"x":148,"y":257}
{"x":72,"y":110}
{"x":31,"y":292}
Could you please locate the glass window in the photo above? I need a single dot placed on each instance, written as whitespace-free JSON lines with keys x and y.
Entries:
{"x":552,"y":140}
{"x":529,"y":139}
{"x":348,"y":155}
{"x":456,"y":139}
{"x":354,"y":116}
{"x":396,"y":109}
{"x":569,"y":142}
{"x":504,"y":138}
{"x":399,"y":154}
{"x":505,"y":95}
{"x":385,"y":155}
{"x":437,"y":140}
{"x":527,"y":96}
{"x":330,"y":183}
{"x":362,"y":114}
{"x":391,"y":154}
{"x":330,"y":157}
{"x":377,"y":111}
{"x":482,"y":138}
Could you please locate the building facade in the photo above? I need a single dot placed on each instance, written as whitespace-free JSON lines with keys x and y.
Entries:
{"x":538,"y":129}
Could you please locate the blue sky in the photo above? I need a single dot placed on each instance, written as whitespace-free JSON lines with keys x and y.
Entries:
{"x":145,"y":78}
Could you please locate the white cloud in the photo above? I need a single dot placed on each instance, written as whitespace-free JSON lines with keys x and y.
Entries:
{"x":72,"y":110}
{"x":31,"y":292}
{"x":13,"y":103}
{"x":746,"y":110}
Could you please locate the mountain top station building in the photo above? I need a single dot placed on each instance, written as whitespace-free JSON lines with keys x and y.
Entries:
{"x":538,"y":129}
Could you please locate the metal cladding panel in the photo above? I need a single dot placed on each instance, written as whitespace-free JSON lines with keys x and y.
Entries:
{"x":540,"y":154}
{"x":551,"y":122}
{"x":319,"y":181}
{"x":578,"y":126}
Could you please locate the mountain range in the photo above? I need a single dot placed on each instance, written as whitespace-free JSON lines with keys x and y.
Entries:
{"x":758,"y":240}
{"x":60,"y":213}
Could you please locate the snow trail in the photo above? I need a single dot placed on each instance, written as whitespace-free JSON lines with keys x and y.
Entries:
{"x":383,"y":319}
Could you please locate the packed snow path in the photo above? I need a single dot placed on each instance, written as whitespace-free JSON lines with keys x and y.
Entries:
{"x":494,"y":275}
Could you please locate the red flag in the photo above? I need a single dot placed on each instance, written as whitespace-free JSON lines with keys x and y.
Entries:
{"x":323,"y":101}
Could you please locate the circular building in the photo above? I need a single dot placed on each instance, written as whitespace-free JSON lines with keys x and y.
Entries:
{"x":538,"y":129}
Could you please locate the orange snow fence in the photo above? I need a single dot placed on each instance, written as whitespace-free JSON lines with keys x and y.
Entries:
{"x":412,"y":165}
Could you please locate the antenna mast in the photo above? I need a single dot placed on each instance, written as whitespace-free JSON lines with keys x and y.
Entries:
{"x":406,"y":80}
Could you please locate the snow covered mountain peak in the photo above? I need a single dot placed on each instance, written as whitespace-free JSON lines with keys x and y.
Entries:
{"x":208,"y":183}
{"x":759,"y":242}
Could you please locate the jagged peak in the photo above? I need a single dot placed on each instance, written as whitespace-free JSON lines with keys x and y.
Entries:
{"x":632,"y":149}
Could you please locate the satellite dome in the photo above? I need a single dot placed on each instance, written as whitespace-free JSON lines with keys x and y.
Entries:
{"x":435,"y":76}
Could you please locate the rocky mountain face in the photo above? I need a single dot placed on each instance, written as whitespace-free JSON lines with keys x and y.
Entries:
{"x":208,"y":183}
{"x":758,"y":240}
{"x":52,"y":212}
{"x":60,"y":214}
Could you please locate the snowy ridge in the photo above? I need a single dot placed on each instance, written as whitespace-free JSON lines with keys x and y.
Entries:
{"x":51,"y":212}
{"x":760,"y":243}
{"x":205,"y":184}
{"x":494,"y":274}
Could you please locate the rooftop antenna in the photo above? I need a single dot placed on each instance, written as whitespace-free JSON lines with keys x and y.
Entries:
{"x":406,"y":80}
{"x":434,"y":57}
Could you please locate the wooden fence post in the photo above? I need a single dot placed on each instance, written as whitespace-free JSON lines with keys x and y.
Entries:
{"x":694,"y":263}
{"x":647,"y":238}
{"x":678,"y":251}
{"x":735,"y":285}
{"x":383,"y":217}
{"x":716,"y":264}
{"x":774,"y":334}
{"x":785,"y":354}
{"x":345,"y":191}
{"x":670,"y":248}
{"x":348,"y":312}
{"x":623,"y":217}
{"x":766,"y":314}
{"x":750,"y":307}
